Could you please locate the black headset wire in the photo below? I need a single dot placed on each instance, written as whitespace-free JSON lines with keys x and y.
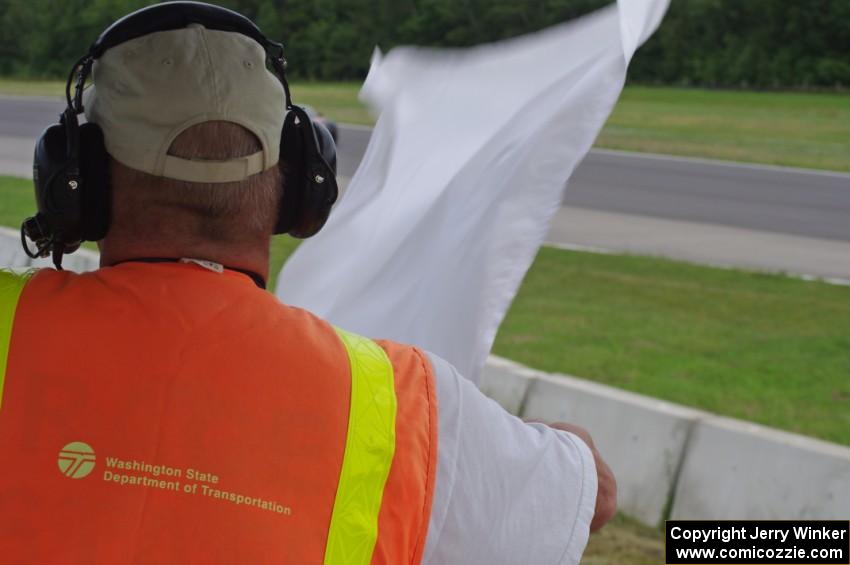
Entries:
{"x":41,"y":250}
{"x":76,"y":103}
{"x":274,"y":51}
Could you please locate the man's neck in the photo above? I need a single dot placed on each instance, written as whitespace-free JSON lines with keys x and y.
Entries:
{"x":253,"y":258}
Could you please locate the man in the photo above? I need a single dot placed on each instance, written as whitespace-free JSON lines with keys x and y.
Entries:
{"x":194,"y":418}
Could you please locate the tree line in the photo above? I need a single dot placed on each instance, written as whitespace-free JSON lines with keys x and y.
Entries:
{"x":713,"y":43}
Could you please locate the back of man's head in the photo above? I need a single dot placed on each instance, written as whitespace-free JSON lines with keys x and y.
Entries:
{"x":158,"y":208}
{"x":192,"y":122}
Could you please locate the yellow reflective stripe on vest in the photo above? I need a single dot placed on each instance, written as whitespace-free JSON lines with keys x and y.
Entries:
{"x":11,"y":286}
{"x":369,"y":450}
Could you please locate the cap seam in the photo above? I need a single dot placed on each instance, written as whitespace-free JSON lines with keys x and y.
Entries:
{"x":211,"y":67}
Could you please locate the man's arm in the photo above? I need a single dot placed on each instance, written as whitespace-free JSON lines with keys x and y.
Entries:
{"x":509,"y":491}
{"x":606,"y":489}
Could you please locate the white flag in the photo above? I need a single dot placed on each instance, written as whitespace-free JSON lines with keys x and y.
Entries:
{"x":456,"y":191}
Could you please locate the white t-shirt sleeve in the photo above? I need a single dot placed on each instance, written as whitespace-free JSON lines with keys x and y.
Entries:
{"x":506,"y":492}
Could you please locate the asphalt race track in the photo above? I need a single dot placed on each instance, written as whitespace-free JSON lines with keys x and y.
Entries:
{"x":781,"y":200}
{"x":706,"y":211}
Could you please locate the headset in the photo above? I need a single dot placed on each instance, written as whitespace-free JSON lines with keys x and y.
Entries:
{"x":70,"y":165}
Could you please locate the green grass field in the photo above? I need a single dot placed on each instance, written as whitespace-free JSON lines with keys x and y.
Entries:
{"x":625,"y":542}
{"x":791,"y":129}
{"x":15,"y":87}
{"x":766,"y":348}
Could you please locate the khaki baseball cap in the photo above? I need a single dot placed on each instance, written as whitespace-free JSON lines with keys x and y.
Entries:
{"x":148,"y":90}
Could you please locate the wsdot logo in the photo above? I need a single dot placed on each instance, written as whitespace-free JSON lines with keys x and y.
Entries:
{"x":76,"y":460}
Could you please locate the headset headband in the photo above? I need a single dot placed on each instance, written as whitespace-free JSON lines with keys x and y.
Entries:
{"x":168,"y":16}
{"x":177,"y":15}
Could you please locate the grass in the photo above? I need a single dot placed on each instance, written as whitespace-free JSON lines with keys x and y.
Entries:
{"x":791,"y":129}
{"x":337,"y":100}
{"x":15,"y":87}
{"x":778,"y":128}
{"x":766,"y":348}
{"x":624,"y":541}
{"x":17,"y":201}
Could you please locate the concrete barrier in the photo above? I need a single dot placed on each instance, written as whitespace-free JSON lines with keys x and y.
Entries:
{"x":507,"y":383}
{"x":674,"y":461}
{"x":739,"y":470}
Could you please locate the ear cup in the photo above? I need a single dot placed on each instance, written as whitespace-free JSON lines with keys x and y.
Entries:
{"x":322,"y":190}
{"x":325,"y":144}
{"x":57,"y":186}
{"x":308,"y":157}
{"x":292,"y":165}
{"x":95,"y":195}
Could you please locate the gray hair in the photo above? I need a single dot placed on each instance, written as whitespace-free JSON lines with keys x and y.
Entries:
{"x":220,"y":212}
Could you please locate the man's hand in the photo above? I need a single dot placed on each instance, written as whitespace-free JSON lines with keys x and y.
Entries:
{"x":606,"y":495}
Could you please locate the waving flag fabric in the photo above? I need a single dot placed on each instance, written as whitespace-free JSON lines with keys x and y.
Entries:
{"x":466,"y":167}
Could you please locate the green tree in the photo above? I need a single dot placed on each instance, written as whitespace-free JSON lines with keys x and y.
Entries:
{"x":715,"y":43}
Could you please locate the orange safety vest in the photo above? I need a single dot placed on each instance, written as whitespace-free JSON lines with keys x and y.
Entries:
{"x":164,"y":413}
